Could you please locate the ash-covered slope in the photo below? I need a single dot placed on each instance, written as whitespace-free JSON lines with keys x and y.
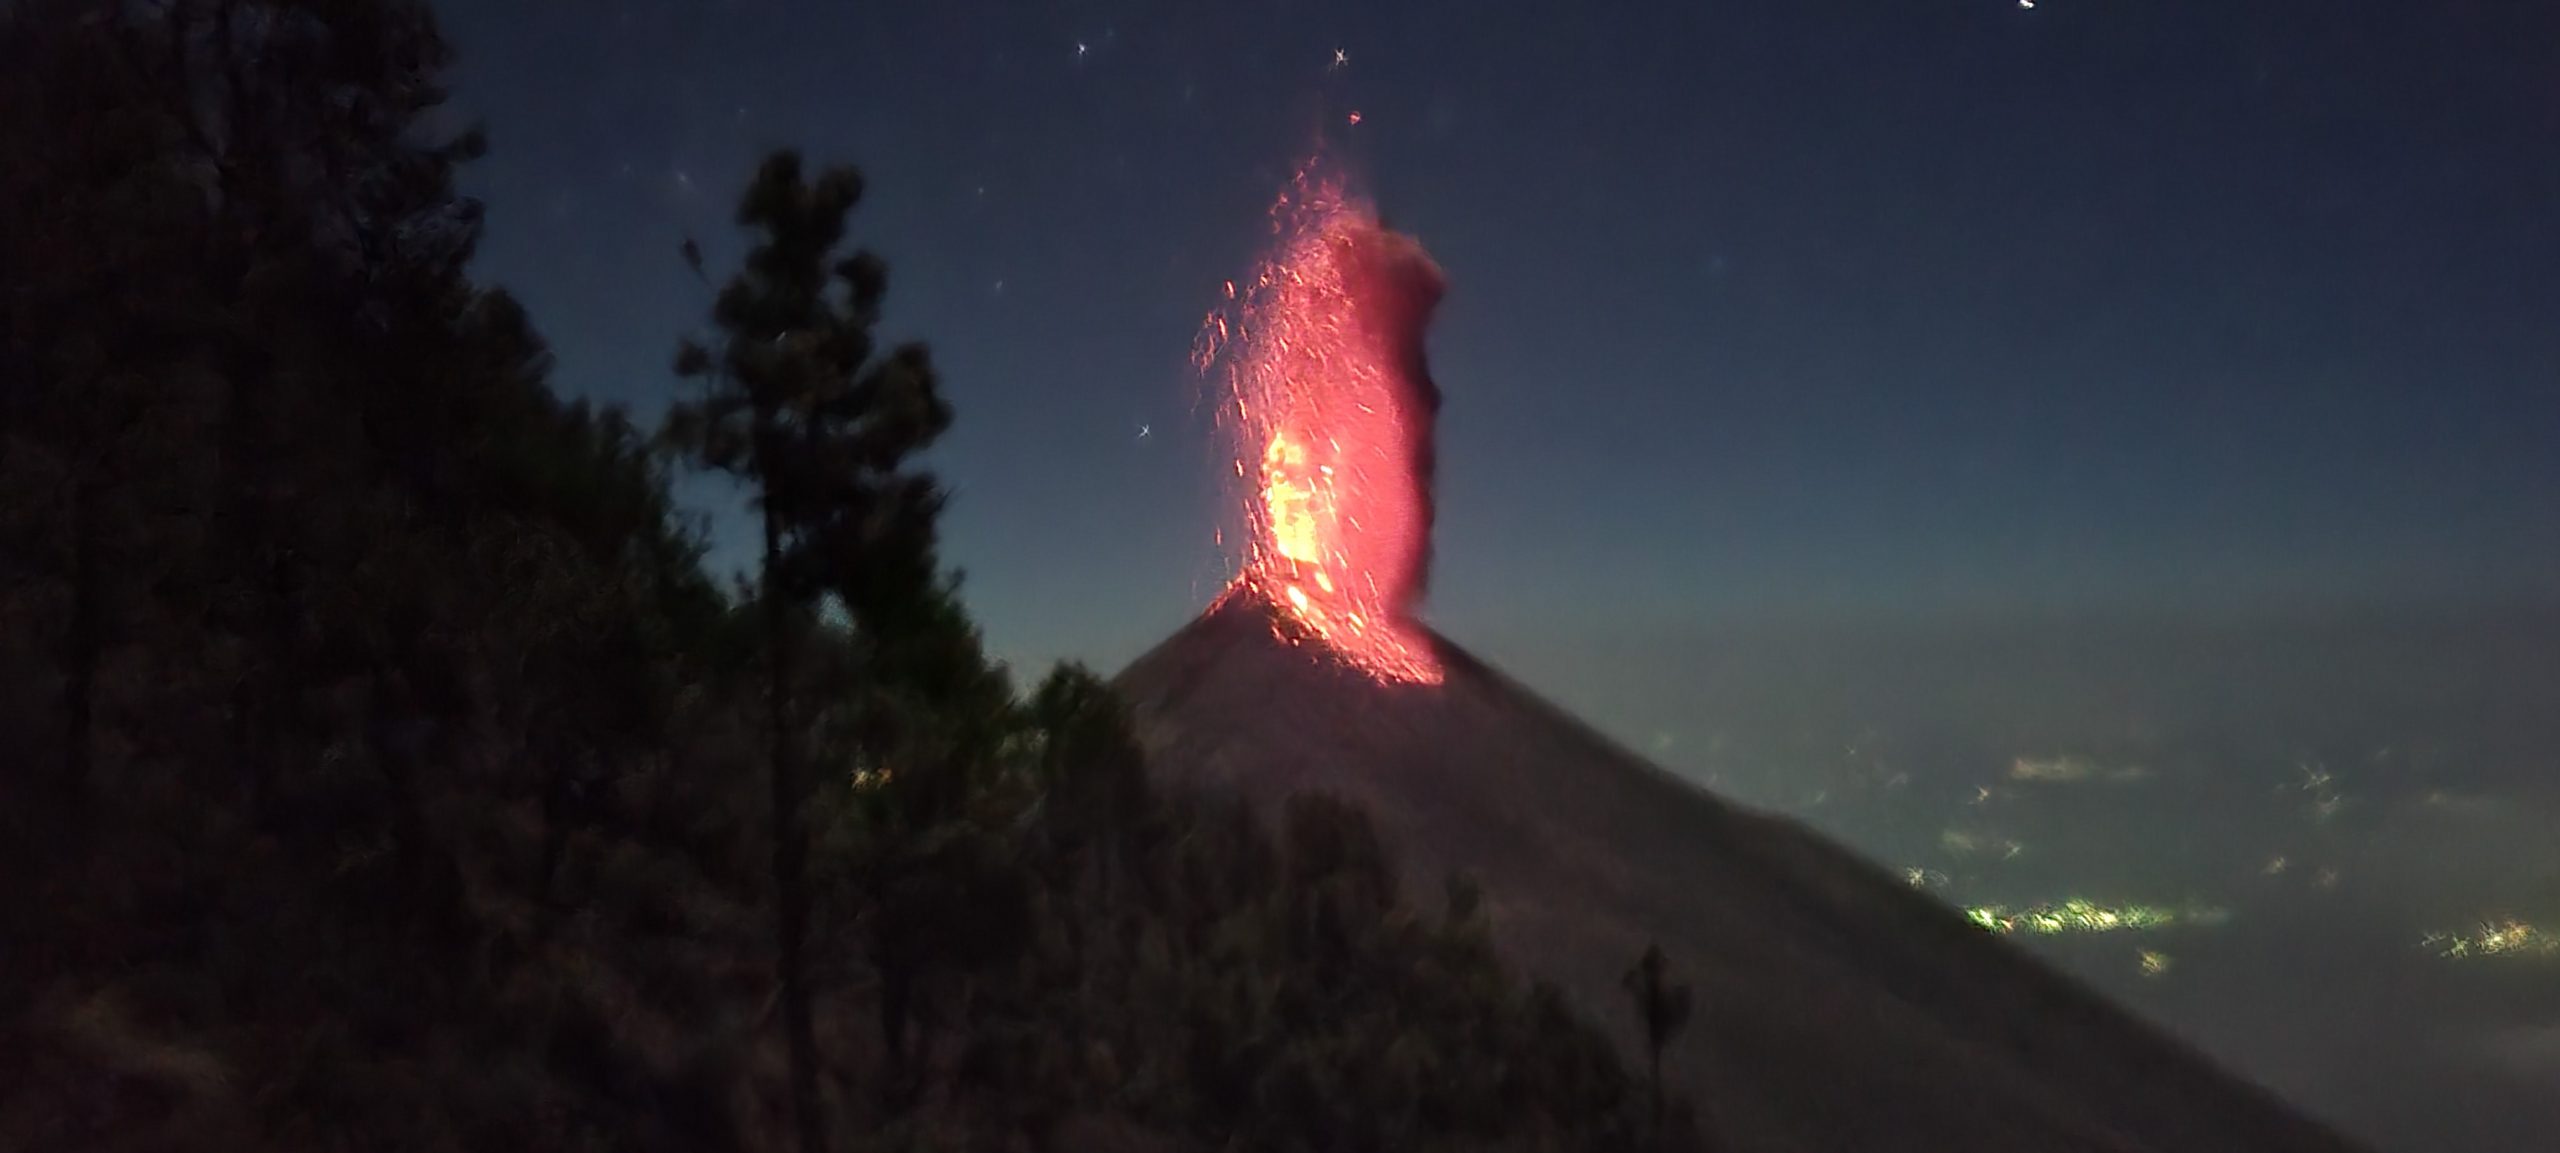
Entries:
{"x":1837,"y":1010}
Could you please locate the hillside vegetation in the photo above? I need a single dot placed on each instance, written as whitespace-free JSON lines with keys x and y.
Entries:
{"x":385,"y":770}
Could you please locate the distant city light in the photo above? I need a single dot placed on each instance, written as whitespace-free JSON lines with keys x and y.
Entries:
{"x":2506,"y":938}
{"x":2080,"y":915}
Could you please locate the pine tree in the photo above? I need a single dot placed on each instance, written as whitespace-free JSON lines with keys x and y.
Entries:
{"x":87,"y":289}
{"x":1092,"y":772}
{"x":1664,"y":1008}
{"x":797,"y":407}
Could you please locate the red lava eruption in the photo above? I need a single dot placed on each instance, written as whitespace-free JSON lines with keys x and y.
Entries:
{"x":1331,"y":408}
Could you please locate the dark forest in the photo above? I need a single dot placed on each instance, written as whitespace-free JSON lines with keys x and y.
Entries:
{"x":386,"y":769}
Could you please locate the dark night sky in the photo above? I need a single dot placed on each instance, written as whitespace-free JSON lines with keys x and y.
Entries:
{"x":1936,"y":352}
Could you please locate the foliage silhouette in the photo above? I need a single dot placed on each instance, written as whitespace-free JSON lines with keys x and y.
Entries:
{"x":1663,"y":1006}
{"x":391,"y":772}
{"x":796,"y":408}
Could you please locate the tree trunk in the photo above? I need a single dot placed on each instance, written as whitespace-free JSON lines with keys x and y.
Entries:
{"x":394,"y":731}
{"x":897,"y":1008}
{"x":790,"y":859}
{"x":279,"y":683}
{"x":251,"y":569}
{"x":555,"y":815}
{"x":80,"y":656}
{"x":547,"y":758}
{"x":244,"y":752}
{"x":1657,"y":1095}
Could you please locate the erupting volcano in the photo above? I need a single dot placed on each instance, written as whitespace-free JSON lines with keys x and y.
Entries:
{"x":1329,"y":405}
{"x":1838,"y":1009}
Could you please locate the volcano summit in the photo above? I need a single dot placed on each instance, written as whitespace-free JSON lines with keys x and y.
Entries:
{"x":1330,"y":407}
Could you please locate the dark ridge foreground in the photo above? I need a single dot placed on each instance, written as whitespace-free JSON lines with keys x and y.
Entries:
{"x":1837,"y":1009}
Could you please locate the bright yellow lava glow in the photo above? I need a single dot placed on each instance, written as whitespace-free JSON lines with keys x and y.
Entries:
{"x":1289,"y":495}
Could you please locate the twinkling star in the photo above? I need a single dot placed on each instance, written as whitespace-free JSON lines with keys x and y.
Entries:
{"x":1341,"y":59}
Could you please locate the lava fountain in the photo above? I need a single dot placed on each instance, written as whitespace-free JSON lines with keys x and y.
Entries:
{"x":1329,"y":405}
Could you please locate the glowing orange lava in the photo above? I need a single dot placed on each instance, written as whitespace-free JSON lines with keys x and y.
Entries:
{"x":1330,"y":409}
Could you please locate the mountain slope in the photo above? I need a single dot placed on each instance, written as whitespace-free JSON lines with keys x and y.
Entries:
{"x":1838,"y":1010}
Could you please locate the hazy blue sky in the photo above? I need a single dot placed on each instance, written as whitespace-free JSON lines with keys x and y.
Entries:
{"x":1835,"y":391}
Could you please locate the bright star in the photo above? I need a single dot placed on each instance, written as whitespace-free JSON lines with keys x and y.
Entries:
{"x":1341,"y":59}
{"x":1145,"y":430}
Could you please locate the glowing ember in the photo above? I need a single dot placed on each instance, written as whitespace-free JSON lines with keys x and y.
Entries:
{"x":1331,"y":408}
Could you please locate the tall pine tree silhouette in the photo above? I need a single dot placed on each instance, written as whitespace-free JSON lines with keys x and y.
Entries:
{"x":797,"y":407}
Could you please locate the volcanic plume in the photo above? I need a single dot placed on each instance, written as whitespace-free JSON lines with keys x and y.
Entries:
{"x":1837,"y":1008}
{"x":1330,"y":407}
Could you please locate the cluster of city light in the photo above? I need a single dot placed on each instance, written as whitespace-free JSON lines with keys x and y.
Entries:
{"x":2067,"y":769}
{"x":869,"y":780}
{"x":1968,"y":843}
{"x":2322,"y":786}
{"x":2080,"y":915}
{"x":2507,"y":938}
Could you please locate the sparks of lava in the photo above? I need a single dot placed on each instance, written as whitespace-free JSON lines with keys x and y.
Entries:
{"x":1330,"y":408}
{"x":2508,"y":938}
